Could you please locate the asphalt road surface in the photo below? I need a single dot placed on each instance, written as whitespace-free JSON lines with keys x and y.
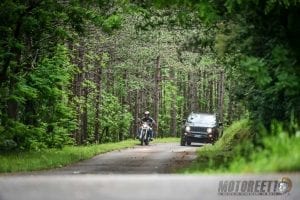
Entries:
{"x":152,"y":159}
{"x":131,"y":187}
{"x":142,"y":172}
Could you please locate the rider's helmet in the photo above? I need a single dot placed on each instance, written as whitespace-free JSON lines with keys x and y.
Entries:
{"x":147,"y":112}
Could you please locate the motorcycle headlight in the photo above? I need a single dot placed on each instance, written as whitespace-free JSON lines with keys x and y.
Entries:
{"x":187,"y":129}
{"x":209,"y":130}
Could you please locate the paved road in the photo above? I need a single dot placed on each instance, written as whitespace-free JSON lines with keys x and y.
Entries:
{"x":140,"y":173}
{"x":155,"y":158}
{"x":130,"y":187}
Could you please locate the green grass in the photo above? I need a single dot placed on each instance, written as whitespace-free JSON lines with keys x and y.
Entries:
{"x":53,"y":158}
{"x":281,"y":154}
{"x":234,"y":153}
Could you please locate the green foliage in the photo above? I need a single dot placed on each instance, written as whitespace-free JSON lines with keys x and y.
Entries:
{"x":266,"y":57}
{"x":54,"y":158}
{"x":207,"y":12}
{"x":45,"y":98}
{"x":116,"y":119}
{"x":261,"y":39}
{"x":277,"y":144}
{"x":256,"y":69}
{"x":42,"y":94}
{"x":112,"y":22}
{"x":165,"y":116}
{"x":36,"y":71}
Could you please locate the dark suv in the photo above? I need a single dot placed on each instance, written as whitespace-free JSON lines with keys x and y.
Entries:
{"x":202,"y":128}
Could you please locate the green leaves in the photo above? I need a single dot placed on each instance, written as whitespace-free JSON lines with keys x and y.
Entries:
{"x":257,"y":70}
{"x":115,"y":117}
{"x":207,"y":12}
{"x":285,"y":72}
{"x":41,"y":97}
{"x":111,"y":23}
{"x":272,"y":4}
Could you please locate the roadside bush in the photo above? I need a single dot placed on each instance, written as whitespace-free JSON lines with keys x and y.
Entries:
{"x":280,"y":151}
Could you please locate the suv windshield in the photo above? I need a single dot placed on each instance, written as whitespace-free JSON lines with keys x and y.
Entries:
{"x":202,"y":119}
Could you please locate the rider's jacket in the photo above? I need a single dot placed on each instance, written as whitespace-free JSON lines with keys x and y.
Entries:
{"x":149,"y":120}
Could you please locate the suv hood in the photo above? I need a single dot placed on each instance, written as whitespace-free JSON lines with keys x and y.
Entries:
{"x":201,"y":124}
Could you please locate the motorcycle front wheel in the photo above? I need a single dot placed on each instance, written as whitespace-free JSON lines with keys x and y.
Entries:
{"x":142,"y":138}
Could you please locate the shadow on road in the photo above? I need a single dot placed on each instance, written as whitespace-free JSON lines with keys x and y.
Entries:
{"x":198,"y":145}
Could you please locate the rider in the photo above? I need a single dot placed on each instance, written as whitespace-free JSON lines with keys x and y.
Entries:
{"x":149,"y":121}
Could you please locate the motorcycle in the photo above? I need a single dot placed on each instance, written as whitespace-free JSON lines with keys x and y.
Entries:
{"x":144,"y":136}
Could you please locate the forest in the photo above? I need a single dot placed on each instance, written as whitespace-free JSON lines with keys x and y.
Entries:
{"x":79,"y":72}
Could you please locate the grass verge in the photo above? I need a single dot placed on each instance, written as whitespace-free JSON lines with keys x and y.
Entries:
{"x":281,"y":153}
{"x":53,"y":158}
{"x":235,"y":153}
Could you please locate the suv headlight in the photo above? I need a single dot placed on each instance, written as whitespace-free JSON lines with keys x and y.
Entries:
{"x":209,"y":130}
{"x":187,"y":129}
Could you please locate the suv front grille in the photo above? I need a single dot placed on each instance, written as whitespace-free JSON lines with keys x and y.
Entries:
{"x":198,"y":129}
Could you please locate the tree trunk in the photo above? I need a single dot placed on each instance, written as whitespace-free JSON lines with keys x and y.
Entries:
{"x":189,"y":93}
{"x":216,"y":90}
{"x":173,"y":111}
{"x":137,"y":110}
{"x":194,"y":92}
{"x":157,"y":92}
{"x":204,"y":91}
{"x":84,"y":117}
{"x":230,"y":110}
{"x":98,"y":81}
{"x":221,"y":96}
{"x":211,"y":95}
{"x":79,"y":91}
{"x":200,"y":92}
{"x":12,"y":105}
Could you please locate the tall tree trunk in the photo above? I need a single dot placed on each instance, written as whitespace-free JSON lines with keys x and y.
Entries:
{"x":131,"y":109}
{"x":221,"y":96}
{"x":30,"y":113}
{"x":84,"y":117}
{"x":200,"y":92}
{"x":12,"y":105}
{"x":79,"y":92}
{"x":98,"y":81}
{"x":194,"y":92}
{"x":211,"y":93}
{"x":137,"y":110}
{"x":157,"y":92}
{"x":189,"y":92}
{"x":173,"y":103}
{"x":110,"y":79}
{"x":216,"y":92}
{"x":230,"y":111}
{"x":180,"y":90}
{"x":204,"y":91}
